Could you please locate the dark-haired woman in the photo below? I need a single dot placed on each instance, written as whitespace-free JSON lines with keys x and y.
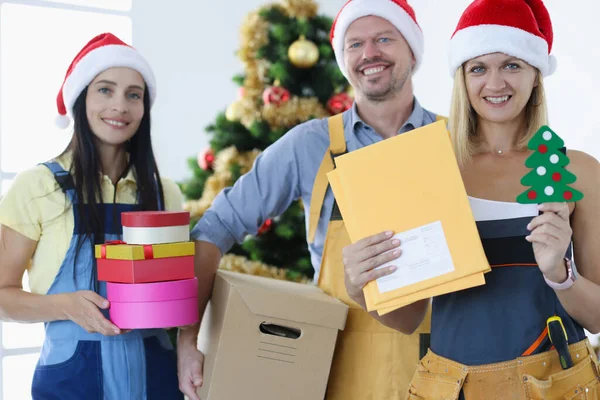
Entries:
{"x":56,"y":212}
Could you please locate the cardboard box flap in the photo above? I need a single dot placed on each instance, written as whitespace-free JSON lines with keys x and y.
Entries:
{"x":288,"y":300}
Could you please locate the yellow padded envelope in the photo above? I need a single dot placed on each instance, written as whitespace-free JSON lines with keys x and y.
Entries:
{"x":403,"y":183}
{"x":476,"y":279}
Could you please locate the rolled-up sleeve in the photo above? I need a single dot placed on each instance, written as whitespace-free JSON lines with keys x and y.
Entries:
{"x":266,"y":191}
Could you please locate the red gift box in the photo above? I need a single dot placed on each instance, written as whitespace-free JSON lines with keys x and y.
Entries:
{"x":125,"y":263}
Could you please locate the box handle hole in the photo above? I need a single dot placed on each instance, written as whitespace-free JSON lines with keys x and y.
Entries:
{"x":281,"y":331}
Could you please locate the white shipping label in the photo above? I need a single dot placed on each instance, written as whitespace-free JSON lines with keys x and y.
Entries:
{"x":425,"y":255}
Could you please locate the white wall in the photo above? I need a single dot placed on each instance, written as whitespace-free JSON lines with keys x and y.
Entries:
{"x":192,"y":50}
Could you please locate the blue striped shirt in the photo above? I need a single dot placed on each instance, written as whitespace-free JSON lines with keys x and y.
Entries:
{"x":285,"y":172}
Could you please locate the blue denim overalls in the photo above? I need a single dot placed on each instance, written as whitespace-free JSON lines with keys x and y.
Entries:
{"x":77,"y":365}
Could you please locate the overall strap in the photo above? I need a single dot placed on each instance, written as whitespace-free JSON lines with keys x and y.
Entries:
{"x":337,"y":146}
{"x":64,"y":180}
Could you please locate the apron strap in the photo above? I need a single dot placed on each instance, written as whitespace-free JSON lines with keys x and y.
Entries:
{"x":64,"y":180}
{"x":337,"y":146}
{"x":337,"y":139}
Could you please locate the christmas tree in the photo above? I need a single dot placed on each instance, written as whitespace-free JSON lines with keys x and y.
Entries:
{"x":290,"y":76}
{"x":548,"y":180}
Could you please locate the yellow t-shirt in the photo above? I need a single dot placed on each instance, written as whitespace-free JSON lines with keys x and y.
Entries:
{"x":36,"y":207}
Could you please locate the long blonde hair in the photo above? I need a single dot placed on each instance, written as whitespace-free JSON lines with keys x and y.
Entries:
{"x":462,"y":121}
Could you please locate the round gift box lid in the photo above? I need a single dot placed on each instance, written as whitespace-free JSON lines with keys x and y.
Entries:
{"x":143,"y":219}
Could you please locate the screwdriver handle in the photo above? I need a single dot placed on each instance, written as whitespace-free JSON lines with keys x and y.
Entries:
{"x":558,"y":336}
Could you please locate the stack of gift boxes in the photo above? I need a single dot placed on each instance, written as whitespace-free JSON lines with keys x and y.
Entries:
{"x":149,"y":275}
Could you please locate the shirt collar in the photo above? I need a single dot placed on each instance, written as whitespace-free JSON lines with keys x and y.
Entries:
{"x":130,"y":177}
{"x":415,"y":120}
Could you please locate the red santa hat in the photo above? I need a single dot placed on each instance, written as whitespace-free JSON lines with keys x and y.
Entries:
{"x":519,"y":28}
{"x":99,"y":54}
{"x":398,"y":12}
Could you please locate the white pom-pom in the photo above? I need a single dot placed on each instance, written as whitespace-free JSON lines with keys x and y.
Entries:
{"x":62,"y":121}
{"x":552,"y":64}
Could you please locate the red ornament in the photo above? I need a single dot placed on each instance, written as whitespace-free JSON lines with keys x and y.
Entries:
{"x":339,"y":103}
{"x":532,"y":194}
{"x":556,"y":177}
{"x":542,"y":148}
{"x":568,"y":195}
{"x":276,"y":95}
{"x":206,"y":159}
{"x":266,"y":226}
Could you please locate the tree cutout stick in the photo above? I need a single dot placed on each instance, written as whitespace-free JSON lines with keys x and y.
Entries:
{"x":548,"y":180}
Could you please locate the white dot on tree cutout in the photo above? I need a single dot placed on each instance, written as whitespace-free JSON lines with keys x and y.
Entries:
{"x":549,"y":190}
{"x":547,"y":135}
{"x":541,"y":171}
{"x":553,"y":158}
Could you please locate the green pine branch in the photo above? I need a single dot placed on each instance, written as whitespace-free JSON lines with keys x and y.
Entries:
{"x":227,"y":133}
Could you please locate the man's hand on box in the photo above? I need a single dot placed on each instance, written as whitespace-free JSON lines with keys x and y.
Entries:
{"x":190,"y":365}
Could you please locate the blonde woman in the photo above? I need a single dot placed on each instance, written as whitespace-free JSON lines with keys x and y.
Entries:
{"x":490,"y":342}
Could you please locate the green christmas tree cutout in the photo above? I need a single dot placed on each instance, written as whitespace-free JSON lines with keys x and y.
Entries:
{"x":548,"y":179}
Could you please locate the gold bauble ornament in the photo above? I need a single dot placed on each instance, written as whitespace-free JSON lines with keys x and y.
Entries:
{"x":234,"y":112}
{"x":303,"y":53}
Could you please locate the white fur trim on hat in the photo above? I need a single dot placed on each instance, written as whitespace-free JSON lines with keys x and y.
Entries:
{"x":386,"y":9}
{"x":62,"y":121}
{"x":99,"y":60}
{"x":475,"y":41}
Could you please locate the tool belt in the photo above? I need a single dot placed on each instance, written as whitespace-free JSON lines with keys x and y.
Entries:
{"x":539,"y":376}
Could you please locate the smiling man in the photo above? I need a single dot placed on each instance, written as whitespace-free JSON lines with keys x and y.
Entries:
{"x":378,"y":45}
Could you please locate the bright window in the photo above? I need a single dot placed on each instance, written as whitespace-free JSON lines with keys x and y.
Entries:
{"x":32,"y":68}
{"x":18,"y":371}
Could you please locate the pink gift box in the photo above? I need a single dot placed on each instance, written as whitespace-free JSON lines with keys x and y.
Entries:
{"x":153,"y":305}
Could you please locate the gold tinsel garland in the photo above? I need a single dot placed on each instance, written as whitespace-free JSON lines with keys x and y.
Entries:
{"x":226,"y":158}
{"x":254,"y":35}
{"x":235,"y":263}
{"x":293,"y":112}
{"x":249,"y":111}
{"x":300,"y":8}
{"x":221,"y":178}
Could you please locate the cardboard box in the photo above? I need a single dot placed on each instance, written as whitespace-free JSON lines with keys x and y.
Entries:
{"x":267,"y":339}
